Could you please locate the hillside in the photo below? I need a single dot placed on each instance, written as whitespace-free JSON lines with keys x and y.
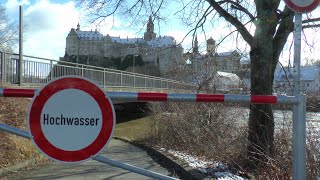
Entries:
{"x":14,"y":149}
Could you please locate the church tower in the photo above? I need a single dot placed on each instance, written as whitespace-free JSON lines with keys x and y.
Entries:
{"x":149,"y":34}
{"x":211,"y":46}
{"x":195,"y":49}
{"x":78,"y":27}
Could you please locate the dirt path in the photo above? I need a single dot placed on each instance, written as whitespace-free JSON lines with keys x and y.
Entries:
{"x":116,"y":150}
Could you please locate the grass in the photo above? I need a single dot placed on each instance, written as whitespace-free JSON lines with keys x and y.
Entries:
{"x":132,"y":126}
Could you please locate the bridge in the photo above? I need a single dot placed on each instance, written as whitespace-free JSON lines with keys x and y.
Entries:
{"x":37,"y":71}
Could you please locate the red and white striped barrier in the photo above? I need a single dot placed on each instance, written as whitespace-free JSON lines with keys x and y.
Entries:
{"x":11,"y":92}
{"x":172,"y":97}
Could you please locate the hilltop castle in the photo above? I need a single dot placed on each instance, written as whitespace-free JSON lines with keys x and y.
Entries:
{"x":161,"y":51}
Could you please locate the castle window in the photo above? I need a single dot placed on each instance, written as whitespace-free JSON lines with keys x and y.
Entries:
{"x":224,"y":65}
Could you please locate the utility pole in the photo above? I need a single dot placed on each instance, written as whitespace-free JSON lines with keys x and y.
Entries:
{"x":20,"y":71}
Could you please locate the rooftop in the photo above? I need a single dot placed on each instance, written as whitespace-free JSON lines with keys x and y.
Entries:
{"x":89,"y":35}
{"x":164,"y":41}
{"x":307,"y":73}
{"x":161,"y":41}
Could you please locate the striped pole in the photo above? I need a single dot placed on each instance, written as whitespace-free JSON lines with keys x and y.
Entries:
{"x":172,"y":97}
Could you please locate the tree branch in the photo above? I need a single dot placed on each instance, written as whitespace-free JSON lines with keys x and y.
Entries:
{"x":285,"y":28}
{"x":310,"y":26}
{"x":310,"y":20}
{"x":234,"y":21}
{"x":241,"y":8}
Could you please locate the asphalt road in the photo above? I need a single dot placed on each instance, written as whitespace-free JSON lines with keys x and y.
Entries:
{"x":116,"y":150}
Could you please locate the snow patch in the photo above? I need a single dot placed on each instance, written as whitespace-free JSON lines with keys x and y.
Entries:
{"x":213,"y":169}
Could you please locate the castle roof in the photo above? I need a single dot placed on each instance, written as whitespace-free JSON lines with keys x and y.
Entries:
{"x":165,"y":41}
{"x":126,"y":40}
{"x":307,"y":73}
{"x":89,"y":35}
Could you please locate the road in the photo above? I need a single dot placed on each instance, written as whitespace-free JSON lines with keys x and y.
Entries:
{"x":116,"y":150}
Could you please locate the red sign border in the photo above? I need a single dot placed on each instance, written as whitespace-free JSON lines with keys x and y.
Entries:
{"x":300,"y":9}
{"x":34,"y":118}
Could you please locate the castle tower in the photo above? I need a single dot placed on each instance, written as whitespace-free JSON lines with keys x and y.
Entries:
{"x":149,"y":34}
{"x":195,"y":49}
{"x":211,"y":46}
{"x":78,"y":27}
{"x":72,"y":42}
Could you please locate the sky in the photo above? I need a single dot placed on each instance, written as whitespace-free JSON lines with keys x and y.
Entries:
{"x":48,"y":22}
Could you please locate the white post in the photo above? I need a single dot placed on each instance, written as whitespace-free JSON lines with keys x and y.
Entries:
{"x":297,"y":53}
{"x":299,"y":110}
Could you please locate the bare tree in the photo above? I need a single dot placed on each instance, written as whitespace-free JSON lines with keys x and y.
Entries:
{"x":272,"y":22}
{"x":8,"y":31}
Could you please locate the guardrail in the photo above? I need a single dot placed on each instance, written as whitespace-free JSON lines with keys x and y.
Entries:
{"x":38,"y":71}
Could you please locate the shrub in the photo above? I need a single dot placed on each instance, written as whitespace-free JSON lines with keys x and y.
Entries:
{"x":219,"y":132}
{"x":201,"y":129}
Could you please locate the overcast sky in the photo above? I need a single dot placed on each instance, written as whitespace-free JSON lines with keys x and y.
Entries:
{"x":48,"y":22}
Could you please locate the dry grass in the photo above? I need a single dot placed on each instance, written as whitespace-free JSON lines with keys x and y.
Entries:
{"x":133,"y":130}
{"x":14,"y":149}
{"x":214,"y":131}
{"x":199,"y":129}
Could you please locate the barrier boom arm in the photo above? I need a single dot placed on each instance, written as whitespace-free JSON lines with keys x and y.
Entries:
{"x":172,"y":97}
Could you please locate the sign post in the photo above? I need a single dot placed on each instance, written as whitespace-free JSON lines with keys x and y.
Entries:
{"x":299,"y":122}
{"x":71,"y":119}
{"x":299,"y":110}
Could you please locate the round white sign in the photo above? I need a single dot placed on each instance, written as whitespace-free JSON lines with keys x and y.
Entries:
{"x":302,"y":6}
{"x":74,"y":124}
{"x":71,"y":119}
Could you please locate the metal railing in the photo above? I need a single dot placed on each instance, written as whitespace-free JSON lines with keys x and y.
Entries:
{"x":38,"y":71}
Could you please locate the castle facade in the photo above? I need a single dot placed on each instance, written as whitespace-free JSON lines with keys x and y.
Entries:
{"x":162,"y":50}
{"x":211,"y":61}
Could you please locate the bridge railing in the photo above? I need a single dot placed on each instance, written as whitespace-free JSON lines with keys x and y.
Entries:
{"x":38,"y":71}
